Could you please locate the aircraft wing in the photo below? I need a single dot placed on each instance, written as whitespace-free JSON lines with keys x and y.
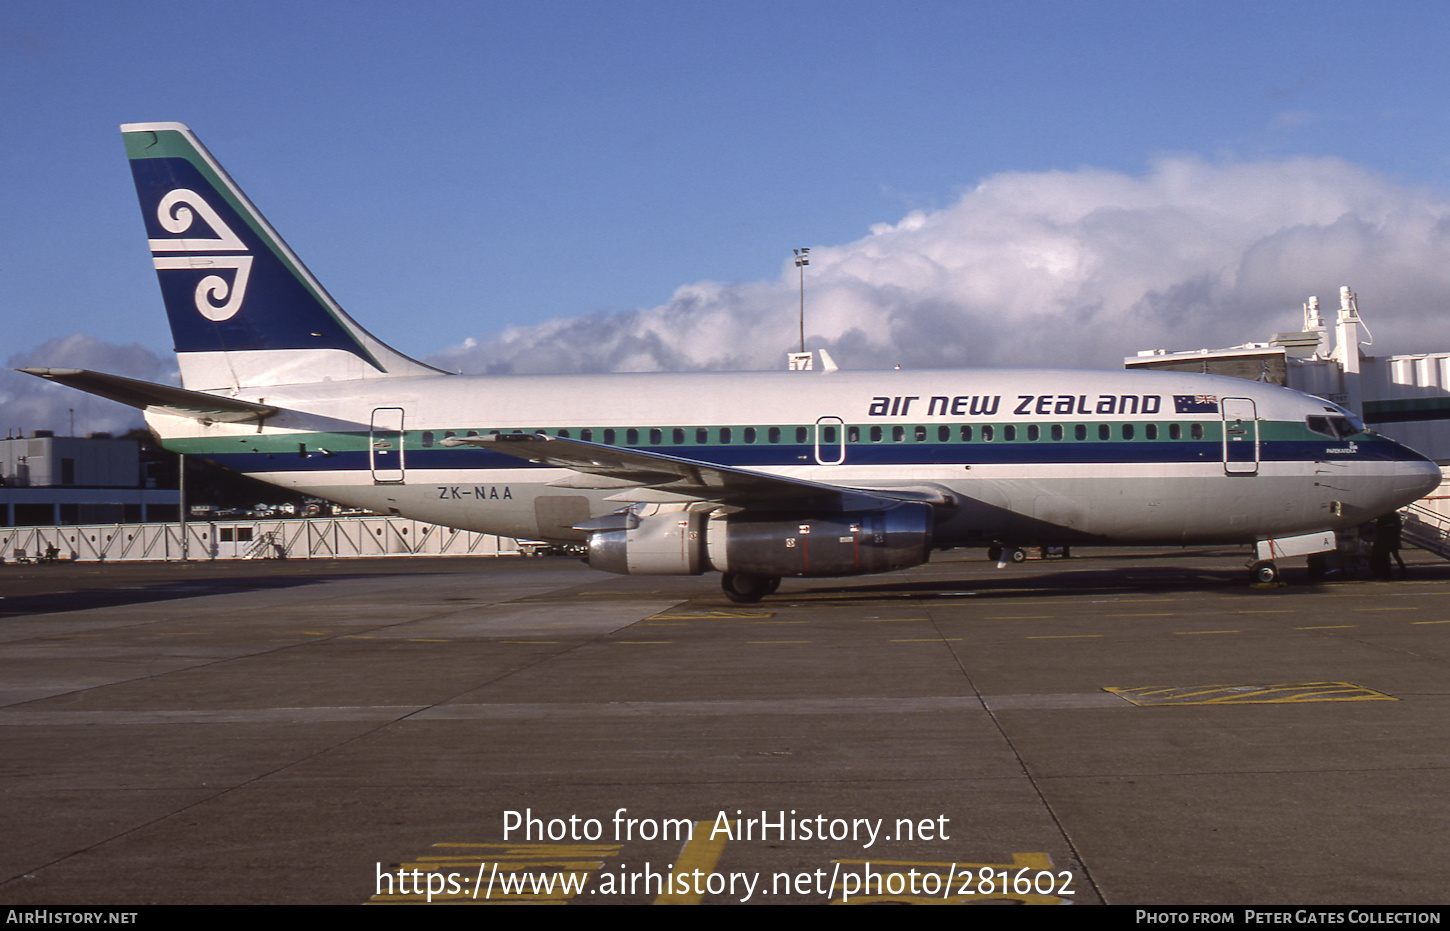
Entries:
{"x":651,"y":476}
{"x":196,"y":405}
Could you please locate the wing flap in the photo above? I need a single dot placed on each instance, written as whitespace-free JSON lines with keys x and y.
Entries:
{"x":676,"y":478}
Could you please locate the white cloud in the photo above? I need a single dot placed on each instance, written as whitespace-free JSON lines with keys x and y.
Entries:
{"x":28,"y":403}
{"x":1066,"y":268}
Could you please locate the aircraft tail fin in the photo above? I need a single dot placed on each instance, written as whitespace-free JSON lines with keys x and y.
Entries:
{"x":244,"y":310}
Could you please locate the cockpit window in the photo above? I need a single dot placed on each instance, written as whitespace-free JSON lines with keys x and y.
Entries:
{"x":1334,"y":425}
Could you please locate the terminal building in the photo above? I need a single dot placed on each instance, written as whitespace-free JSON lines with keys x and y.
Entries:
{"x":1404,"y":397}
{"x":47,"y":479}
{"x":101,"y":499}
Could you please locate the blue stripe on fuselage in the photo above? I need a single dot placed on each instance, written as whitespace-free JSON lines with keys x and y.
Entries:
{"x":899,"y":454}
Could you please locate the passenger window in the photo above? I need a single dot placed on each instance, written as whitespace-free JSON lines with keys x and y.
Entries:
{"x":702,"y":436}
{"x":656,"y":436}
{"x":853,"y":434}
{"x":987,"y":433}
{"x":427,"y":438}
{"x":802,"y":435}
{"x":875,"y":434}
{"x":1105,"y":432}
{"x":725,"y":434}
{"x":608,"y":437}
{"x":1127,"y":431}
{"x":563,"y":434}
{"x":773,"y":435}
{"x":631,"y":437}
{"x":898,"y":434}
{"x":920,"y":433}
{"x":1033,"y":432}
{"x":1009,"y":433}
{"x":750,"y":434}
{"x":677,"y":436}
{"x":586,"y":435}
{"x":1080,"y":431}
{"x":966,"y":434}
{"x":1150,"y":431}
{"x":828,"y":435}
{"x":944,"y":434}
{"x":1175,"y":431}
{"x":1057,"y":431}
{"x":1196,"y":431}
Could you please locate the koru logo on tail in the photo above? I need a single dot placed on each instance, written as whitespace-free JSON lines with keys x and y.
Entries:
{"x":216,"y":299}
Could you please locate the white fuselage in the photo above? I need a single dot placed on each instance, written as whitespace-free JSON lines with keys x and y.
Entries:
{"x":1023,"y":455}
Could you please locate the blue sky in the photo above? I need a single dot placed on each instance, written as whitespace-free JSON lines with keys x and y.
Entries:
{"x":450,"y":170}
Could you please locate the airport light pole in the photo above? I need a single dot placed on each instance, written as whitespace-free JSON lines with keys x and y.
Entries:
{"x":802,"y":259}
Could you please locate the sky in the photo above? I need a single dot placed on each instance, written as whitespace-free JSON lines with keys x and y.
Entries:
{"x":582,"y":186}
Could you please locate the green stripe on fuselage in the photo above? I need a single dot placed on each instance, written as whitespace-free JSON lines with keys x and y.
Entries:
{"x":288,"y":443}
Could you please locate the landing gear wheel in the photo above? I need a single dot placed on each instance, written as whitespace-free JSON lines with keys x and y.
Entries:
{"x":1019,"y":555}
{"x":1265,"y":572}
{"x":744,"y":588}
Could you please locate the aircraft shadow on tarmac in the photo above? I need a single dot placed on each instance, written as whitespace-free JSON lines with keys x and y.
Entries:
{"x":1136,"y":574}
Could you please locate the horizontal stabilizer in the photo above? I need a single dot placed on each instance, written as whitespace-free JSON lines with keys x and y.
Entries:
{"x":149,"y":396}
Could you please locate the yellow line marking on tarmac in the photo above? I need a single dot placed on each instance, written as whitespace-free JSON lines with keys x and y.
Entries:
{"x":1285,"y":693}
{"x":650,"y":591}
{"x":1330,"y":627}
{"x":704,"y":615}
{"x":541,"y":874}
{"x":1430,"y":622}
{"x":700,"y":854}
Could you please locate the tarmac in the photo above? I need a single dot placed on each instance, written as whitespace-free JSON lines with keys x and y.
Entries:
{"x":1128,"y":726}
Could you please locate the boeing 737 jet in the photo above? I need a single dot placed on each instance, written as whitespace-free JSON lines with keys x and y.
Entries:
{"x":757,"y":475}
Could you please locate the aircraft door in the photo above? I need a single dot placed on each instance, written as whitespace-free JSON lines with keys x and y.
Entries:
{"x":385,"y":446}
{"x":830,"y":441}
{"x":1240,"y":436}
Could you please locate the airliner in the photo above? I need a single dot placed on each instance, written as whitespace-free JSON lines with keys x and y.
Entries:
{"x":760,"y":475}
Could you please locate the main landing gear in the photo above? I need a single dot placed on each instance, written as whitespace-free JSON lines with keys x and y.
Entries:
{"x":744,"y":588}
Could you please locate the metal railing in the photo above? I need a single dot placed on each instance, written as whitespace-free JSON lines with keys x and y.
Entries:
{"x":1427,"y":528}
{"x":301,"y":538}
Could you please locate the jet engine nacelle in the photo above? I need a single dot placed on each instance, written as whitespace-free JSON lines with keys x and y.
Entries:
{"x":685,"y":543}
{"x":669,"y":543}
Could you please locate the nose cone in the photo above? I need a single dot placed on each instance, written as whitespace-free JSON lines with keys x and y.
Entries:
{"x":1415,"y":477}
